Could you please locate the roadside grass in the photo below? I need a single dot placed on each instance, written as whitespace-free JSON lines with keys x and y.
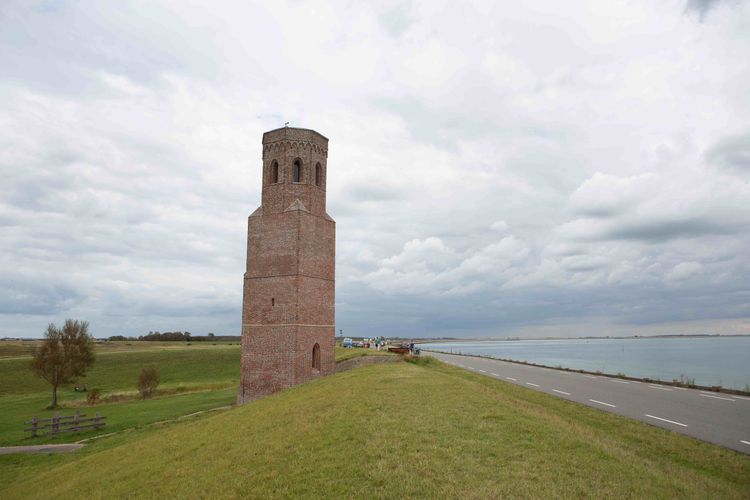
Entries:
{"x":414,"y":429}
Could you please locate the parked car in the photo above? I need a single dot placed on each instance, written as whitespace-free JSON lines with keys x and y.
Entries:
{"x":347,"y":342}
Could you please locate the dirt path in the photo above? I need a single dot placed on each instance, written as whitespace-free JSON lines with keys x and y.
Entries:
{"x":40,"y":448}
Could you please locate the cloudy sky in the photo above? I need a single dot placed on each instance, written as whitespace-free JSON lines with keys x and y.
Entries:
{"x":495,"y":168}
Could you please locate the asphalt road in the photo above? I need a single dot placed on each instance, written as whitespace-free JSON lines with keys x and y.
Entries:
{"x":718,"y":418}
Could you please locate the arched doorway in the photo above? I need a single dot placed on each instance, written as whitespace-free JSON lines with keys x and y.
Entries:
{"x":316,"y":358}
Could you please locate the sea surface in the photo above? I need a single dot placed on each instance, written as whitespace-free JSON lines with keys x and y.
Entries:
{"x":723,"y":361}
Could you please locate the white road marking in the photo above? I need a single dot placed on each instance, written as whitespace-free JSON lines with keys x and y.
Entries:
{"x":588,"y":376}
{"x":619,"y":381}
{"x":742,"y":397}
{"x":511,"y":378}
{"x":716,"y":397}
{"x":533,"y":385}
{"x":665,"y":420}
{"x":744,"y":442}
{"x":602,"y":403}
{"x":680,"y":388}
{"x":561,"y":392}
{"x":472,"y":368}
{"x":482,"y":371}
{"x":494,"y":374}
{"x":661,"y":388}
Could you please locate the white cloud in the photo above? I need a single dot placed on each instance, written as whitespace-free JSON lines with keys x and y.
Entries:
{"x":683,"y":271}
{"x":490,"y":166}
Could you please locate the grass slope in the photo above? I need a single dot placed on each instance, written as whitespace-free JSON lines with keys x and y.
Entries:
{"x":396,"y":430}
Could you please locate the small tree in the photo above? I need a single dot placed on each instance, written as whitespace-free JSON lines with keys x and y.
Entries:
{"x":148,"y":380}
{"x":64,"y":355}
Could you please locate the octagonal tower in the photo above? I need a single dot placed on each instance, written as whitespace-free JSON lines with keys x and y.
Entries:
{"x":288,"y":299}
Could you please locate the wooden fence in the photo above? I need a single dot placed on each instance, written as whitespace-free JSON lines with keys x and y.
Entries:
{"x":60,"y":424}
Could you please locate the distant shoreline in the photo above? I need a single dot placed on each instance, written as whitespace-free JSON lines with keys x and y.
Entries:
{"x":630,"y":337}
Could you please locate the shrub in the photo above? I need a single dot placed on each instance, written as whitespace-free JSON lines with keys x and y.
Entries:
{"x":93,"y":396}
{"x":148,"y":380}
{"x":420,"y":360}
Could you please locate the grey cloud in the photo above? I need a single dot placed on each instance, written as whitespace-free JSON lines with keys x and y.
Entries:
{"x":23,"y":296}
{"x":60,"y":49}
{"x":127,"y":179}
{"x":701,"y":7}
{"x":397,"y":19}
{"x":664,"y":230}
{"x":731,"y":153}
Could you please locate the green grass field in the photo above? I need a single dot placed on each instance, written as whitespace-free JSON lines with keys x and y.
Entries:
{"x":395,"y":430}
{"x":199,"y":377}
{"x":19,"y":348}
{"x":194,"y":377}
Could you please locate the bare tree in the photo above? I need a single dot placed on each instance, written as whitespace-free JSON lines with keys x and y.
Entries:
{"x":64,"y":355}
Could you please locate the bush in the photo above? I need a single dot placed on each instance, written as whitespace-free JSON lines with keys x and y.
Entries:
{"x":420,"y":360}
{"x":93,"y":396}
{"x":148,"y":380}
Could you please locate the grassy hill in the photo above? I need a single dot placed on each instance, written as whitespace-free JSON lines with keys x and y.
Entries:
{"x":396,"y":430}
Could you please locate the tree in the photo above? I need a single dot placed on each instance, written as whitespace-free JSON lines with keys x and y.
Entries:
{"x":148,"y":380}
{"x":64,"y":355}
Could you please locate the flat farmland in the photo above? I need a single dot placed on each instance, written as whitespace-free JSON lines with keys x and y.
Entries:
{"x":193,"y":378}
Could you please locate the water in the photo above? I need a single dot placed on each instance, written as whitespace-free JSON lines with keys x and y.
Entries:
{"x":723,"y":361}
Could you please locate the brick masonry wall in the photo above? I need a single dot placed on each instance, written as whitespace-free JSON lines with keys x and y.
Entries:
{"x":288,"y":299}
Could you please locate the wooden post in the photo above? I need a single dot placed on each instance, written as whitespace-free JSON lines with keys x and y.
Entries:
{"x":34,"y":424}
{"x":75,"y":420}
{"x":55,"y":423}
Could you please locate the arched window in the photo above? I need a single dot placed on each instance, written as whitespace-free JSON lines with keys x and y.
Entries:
{"x":316,"y":357}
{"x":274,"y":172}
{"x":318,"y":174}
{"x":297,"y":170}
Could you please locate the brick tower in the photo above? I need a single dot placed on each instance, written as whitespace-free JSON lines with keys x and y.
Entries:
{"x":288,"y":300}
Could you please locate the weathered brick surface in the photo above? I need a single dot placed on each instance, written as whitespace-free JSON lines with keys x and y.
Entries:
{"x":288,"y":300}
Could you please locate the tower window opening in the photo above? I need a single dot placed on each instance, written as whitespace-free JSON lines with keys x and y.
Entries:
{"x":316,"y":357}
{"x":274,"y":172}
{"x":297,"y":170}
{"x":273,"y":301}
{"x":318,"y":174}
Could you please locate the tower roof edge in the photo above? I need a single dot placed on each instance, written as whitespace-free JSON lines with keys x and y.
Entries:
{"x":292,"y":133}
